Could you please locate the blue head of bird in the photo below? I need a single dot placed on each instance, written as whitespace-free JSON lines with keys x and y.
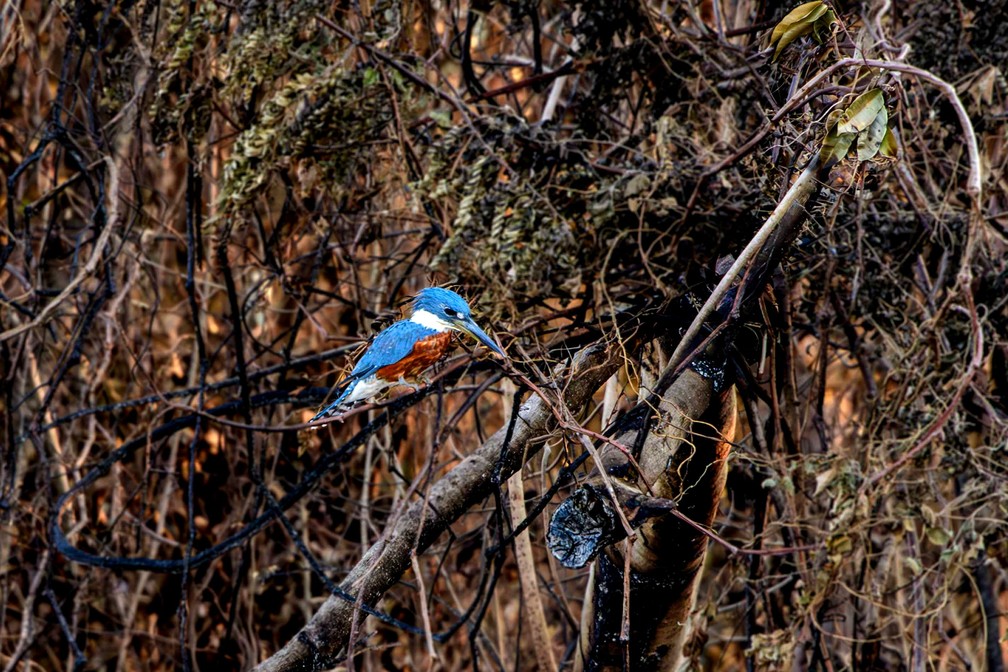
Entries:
{"x":443,"y":309}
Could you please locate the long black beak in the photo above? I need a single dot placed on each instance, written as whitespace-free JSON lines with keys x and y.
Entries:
{"x":473,"y":330}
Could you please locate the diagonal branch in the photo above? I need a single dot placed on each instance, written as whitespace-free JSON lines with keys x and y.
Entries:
{"x":325,"y":637}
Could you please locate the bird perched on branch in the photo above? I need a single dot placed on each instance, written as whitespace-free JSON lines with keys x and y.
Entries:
{"x":408,"y":347}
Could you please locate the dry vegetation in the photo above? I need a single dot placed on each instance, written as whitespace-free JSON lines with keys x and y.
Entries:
{"x":208,"y":205}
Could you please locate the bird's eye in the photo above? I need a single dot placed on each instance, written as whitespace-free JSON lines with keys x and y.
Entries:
{"x":450,"y":312}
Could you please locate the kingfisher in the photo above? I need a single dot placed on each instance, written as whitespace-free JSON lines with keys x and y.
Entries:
{"x":408,"y":347}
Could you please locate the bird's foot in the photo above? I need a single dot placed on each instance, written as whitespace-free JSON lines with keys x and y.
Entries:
{"x":413,"y":386}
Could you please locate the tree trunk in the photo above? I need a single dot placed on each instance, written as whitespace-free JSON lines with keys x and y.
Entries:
{"x":683,"y":459}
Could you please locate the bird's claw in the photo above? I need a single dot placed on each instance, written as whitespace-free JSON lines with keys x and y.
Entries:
{"x":413,"y":386}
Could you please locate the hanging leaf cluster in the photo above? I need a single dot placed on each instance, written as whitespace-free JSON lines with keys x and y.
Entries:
{"x":865,"y":120}
{"x":509,"y":186}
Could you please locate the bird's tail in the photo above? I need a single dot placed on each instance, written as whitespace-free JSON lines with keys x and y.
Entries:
{"x":337,"y":405}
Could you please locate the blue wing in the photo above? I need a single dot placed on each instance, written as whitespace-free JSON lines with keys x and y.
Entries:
{"x":389,"y":346}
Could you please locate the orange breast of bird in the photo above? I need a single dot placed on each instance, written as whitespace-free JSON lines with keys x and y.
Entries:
{"x":426,"y":352}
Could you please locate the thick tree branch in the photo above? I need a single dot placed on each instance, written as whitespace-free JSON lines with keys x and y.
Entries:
{"x":325,"y":637}
{"x":683,"y":443}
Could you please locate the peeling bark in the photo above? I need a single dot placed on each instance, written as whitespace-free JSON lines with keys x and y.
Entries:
{"x":684,"y":459}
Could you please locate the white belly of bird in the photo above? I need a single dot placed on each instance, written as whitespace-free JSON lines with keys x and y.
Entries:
{"x":365,"y":389}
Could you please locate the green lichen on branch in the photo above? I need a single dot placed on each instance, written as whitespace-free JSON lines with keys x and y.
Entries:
{"x":320,"y":121}
{"x":181,"y":105}
{"x":298,"y":110}
{"x":276,"y":40}
{"x":524,"y":222}
{"x":273,"y":41}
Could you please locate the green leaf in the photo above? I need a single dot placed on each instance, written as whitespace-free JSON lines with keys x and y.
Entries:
{"x":441,"y":117}
{"x":862,"y":112}
{"x":938,"y":536}
{"x":799,"y":14}
{"x":839,"y":545}
{"x":792,"y":34}
{"x":870,"y":140}
{"x":802,"y":20}
{"x":835,"y":147}
{"x":913,"y":564}
{"x":889,"y":148}
{"x":823,"y":23}
{"x":833,"y":118}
